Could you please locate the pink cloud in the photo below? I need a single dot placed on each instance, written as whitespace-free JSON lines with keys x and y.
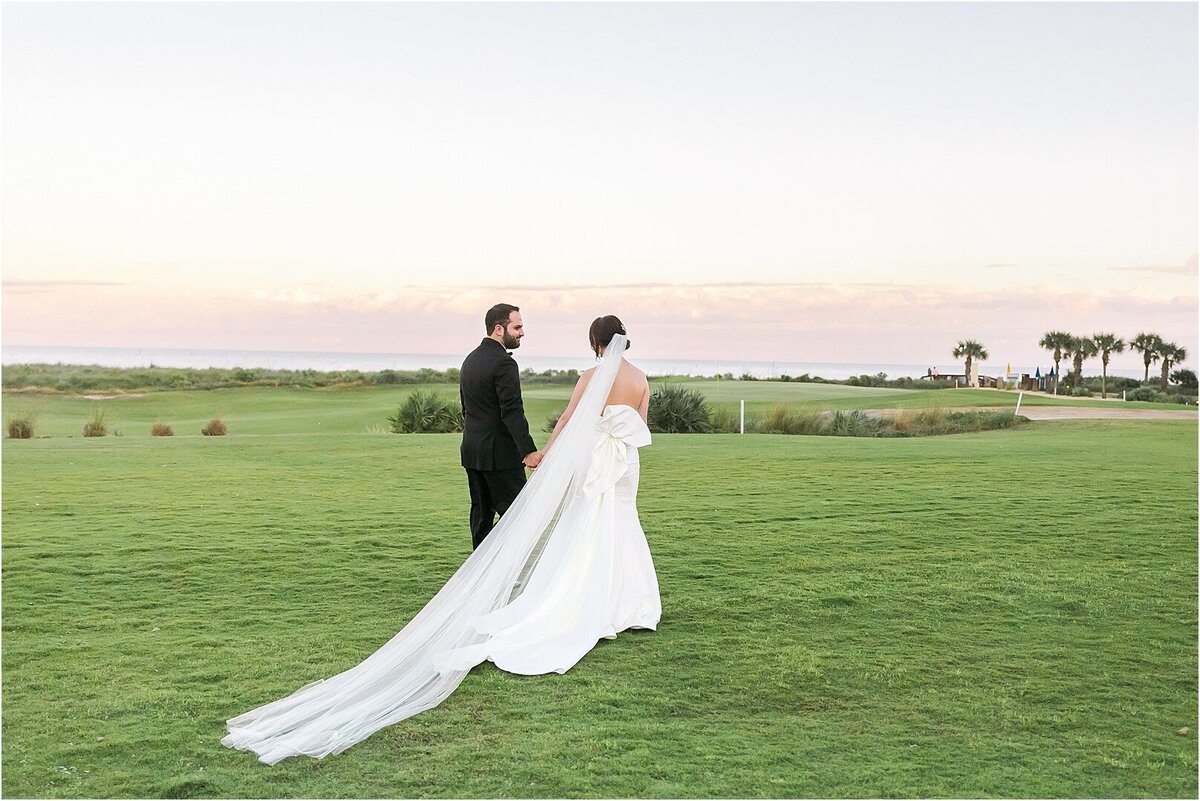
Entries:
{"x":880,"y":323}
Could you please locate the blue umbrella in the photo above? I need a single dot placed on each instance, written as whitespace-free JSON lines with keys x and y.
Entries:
{"x":1037,"y":373}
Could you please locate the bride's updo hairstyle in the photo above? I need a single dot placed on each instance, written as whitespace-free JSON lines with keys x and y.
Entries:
{"x":602,"y":331}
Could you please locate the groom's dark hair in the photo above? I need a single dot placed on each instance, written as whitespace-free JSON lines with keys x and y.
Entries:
{"x":498,"y":315}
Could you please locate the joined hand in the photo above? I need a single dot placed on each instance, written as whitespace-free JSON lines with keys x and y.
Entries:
{"x":533,"y":460}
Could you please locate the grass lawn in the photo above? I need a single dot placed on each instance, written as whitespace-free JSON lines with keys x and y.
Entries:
{"x":1012,"y":613}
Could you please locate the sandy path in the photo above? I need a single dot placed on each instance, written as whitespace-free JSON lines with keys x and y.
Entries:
{"x":1096,"y":413}
{"x":1072,"y":413}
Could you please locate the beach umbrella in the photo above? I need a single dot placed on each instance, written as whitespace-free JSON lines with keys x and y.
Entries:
{"x":1008,"y":369}
{"x":1037,"y":373}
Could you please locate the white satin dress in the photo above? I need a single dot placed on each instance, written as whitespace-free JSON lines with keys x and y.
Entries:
{"x":588,"y":586}
{"x":566,"y":566}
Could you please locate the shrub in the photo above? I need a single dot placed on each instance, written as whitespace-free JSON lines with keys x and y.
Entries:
{"x":1145,"y":394}
{"x":855,"y":423}
{"x":779,"y":420}
{"x":95,"y":426}
{"x":20,"y":428}
{"x":724,"y":420}
{"x":1003,"y":420}
{"x":1185,"y":378}
{"x":426,"y":412}
{"x":552,"y":421}
{"x":1114,"y":382}
{"x":216,"y":428}
{"x":782,"y":420}
{"x":931,"y":417}
{"x":904,"y":421}
{"x":811,"y":423}
{"x":1081,"y":392}
{"x":161,"y":430}
{"x":674,"y":409}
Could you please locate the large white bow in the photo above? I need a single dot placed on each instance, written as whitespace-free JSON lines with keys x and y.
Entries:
{"x":619,"y":428}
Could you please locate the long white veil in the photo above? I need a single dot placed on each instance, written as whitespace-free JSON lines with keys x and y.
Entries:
{"x":401,"y":679}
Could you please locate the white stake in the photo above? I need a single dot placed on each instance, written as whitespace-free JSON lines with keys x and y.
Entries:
{"x":743,"y":426}
{"x":1019,"y":396}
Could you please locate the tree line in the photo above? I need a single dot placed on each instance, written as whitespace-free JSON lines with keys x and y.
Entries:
{"x":1062,"y":344}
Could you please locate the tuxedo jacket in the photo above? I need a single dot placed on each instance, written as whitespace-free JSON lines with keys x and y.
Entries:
{"x":495,"y":431}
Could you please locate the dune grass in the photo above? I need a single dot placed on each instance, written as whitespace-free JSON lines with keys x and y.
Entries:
{"x":1010,"y":613}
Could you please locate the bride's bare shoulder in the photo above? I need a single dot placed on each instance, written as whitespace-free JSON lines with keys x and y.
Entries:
{"x":635,"y":372}
{"x":584,"y":378}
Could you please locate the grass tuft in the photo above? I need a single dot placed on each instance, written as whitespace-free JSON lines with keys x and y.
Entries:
{"x":216,"y":428}
{"x":20,"y":428}
{"x":161,"y":430}
{"x":95,"y":426}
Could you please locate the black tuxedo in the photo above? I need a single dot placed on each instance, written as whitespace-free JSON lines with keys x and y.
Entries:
{"x":495,"y":433}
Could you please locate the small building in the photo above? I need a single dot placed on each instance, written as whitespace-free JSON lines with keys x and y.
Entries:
{"x":961,"y":379}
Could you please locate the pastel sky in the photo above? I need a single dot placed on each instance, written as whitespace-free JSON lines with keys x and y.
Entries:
{"x":792,"y":182}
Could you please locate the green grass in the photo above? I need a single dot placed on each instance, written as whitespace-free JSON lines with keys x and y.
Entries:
{"x":1010,"y":614}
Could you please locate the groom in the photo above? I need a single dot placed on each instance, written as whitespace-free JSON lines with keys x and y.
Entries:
{"x":496,"y":446}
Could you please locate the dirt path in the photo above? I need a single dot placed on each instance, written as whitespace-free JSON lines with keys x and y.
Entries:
{"x":1098,"y":413}
{"x":1072,"y":413}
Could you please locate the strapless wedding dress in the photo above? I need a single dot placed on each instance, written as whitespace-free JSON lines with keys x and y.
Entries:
{"x":587,"y":586}
{"x":567,"y":566}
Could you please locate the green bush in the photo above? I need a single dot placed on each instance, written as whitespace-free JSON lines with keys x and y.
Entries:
{"x":1155,"y":395}
{"x":529,"y":376}
{"x":675,"y":409}
{"x":1185,"y":378}
{"x":427,"y":412}
{"x":1146,"y":394}
{"x":1115,"y":383}
{"x":552,"y":421}
{"x":855,"y":423}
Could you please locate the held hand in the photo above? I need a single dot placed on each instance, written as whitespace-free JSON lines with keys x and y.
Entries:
{"x":533,"y":460}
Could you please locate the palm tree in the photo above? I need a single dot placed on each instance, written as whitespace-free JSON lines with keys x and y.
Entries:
{"x":1106,"y":344}
{"x":970,"y":349}
{"x":1060,"y":343}
{"x":1171,"y":355}
{"x":1081,"y":348}
{"x":1149,"y":346}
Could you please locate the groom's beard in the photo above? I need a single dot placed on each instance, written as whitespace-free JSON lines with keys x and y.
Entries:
{"x":511,"y":341}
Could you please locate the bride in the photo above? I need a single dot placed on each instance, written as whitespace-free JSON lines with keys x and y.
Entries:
{"x":566,"y":566}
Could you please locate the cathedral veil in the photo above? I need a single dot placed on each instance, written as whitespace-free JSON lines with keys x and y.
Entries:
{"x":407,"y":674}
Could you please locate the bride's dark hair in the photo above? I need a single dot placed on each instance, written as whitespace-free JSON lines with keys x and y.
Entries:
{"x":602,"y":331}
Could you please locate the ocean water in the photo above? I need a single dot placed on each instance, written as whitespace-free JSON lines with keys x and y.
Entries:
{"x":373,"y":362}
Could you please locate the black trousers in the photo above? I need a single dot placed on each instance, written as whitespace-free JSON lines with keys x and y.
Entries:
{"x":492,"y":492}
